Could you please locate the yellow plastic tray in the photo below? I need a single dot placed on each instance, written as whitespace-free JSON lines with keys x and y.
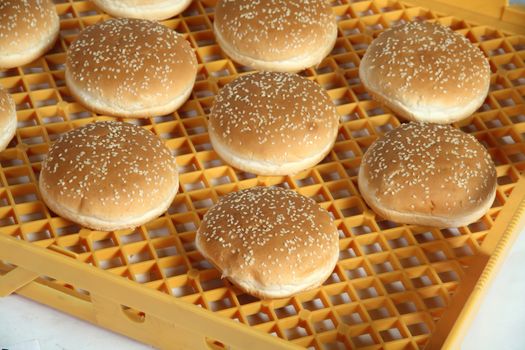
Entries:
{"x":394,"y":287}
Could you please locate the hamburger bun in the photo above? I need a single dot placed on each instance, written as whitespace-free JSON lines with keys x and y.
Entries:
{"x":109,"y":176}
{"x":145,"y":9}
{"x":426,"y":72}
{"x":285,"y":36}
{"x":130,"y":68}
{"x":272,"y":123}
{"x":428,"y":174}
{"x":270,"y":242}
{"x":7,"y":119}
{"x":28,"y":29}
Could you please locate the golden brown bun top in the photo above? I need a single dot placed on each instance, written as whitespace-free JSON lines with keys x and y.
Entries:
{"x":114,"y":168}
{"x":268,"y":234}
{"x":7,"y":108}
{"x":274,"y":29}
{"x":273,"y":116}
{"x":423,"y":63}
{"x":130,"y":60}
{"x":429,"y":169}
{"x":22,"y":23}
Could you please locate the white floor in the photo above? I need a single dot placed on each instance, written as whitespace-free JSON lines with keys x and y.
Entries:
{"x":26,"y":325}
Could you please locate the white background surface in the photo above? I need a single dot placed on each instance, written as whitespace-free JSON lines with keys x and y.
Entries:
{"x":500,"y":323}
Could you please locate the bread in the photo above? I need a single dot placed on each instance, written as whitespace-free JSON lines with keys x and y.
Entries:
{"x":28,"y":29}
{"x":130,"y":68}
{"x":145,"y":9}
{"x":428,"y":174}
{"x":270,"y":242}
{"x":273,"y":123}
{"x":109,"y":176}
{"x":7,"y":119}
{"x":275,"y":35}
{"x":426,"y":72}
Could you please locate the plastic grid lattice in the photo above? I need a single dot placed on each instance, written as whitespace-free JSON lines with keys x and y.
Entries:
{"x":392,"y":281}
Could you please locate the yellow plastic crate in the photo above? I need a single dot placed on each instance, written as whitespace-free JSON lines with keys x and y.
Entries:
{"x":394,"y":287}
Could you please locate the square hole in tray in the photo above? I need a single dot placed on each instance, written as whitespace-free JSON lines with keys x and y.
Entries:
{"x":134,"y":236}
{"x":353,"y":318}
{"x":394,"y":286}
{"x":140,"y":255}
{"x":179,"y":205}
{"x":367,"y":292}
{"x":410,"y":261}
{"x":245,"y":299}
{"x":306,"y":181}
{"x":285,"y":311}
{"x":176,"y":270}
{"x":391,"y":334}
{"x":296,"y":332}
{"x":418,"y":329}
{"x":379,"y":313}
{"x":383,"y":267}
{"x":406,"y":307}
{"x":372,"y":248}
{"x":258,"y":318}
{"x":347,"y":253}
{"x":66,"y":230}
{"x":341,"y":298}
{"x":357,"y":272}
{"x":183,"y":290}
{"x":40,"y":235}
{"x":434,"y":302}
{"x":363,"y":340}
{"x":334,"y":278}
{"x":324,"y":325}
{"x":212,"y":283}
{"x":448,"y":276}
{"x":155,"y":232}
{"x":165,"y":250}
{"x":184,"y":226}
{"x":424,"y":237}
{"x":149,"y":275}
{"x":104,"y":243}
{"x":315,"y":304}
{"x":24,"y":194}
{"x":339,"y":192}
{"x":421,"y":281}
{"x":7,"y":218}
{"x":202,"y":265}
{"x":221,"y":304}
{"x":112,"y":261}
{"x":212,"y":163}
{"x":29,"y":212}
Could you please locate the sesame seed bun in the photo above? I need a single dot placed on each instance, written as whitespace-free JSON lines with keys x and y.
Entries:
{"x":130,"y":68}
{"x":428,"y":174}
{"x":7,"y":118}
{"x":270,"y":242}
{"x":273,"y":35}
{"x":109,"y":176}
{"x":272,"y":123}
{"x":28,"y":29}
{"x":145,"y":9}
{"x":426,"y":72}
